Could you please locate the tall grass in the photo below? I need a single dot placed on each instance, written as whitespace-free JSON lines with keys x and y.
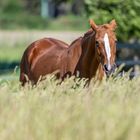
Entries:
{"x":70,"y":111}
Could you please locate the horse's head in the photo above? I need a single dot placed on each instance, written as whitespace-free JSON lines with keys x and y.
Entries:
{"x":105,"y":42}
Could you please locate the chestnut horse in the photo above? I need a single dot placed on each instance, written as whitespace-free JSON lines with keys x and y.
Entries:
{"x":91,"y":55}
{"x":98,"y":51}
{"x":42,"y":57}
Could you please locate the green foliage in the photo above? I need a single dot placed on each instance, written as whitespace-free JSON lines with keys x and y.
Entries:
{"x":25,"y":14}
{"x":71,"y":22}
{"x":28,"y":21}
{"x":11,"y":6}
{"x":70,"y":111}
{"x":21,"y":20}
{"x":125,"y":12}
{"x":15,"y":14}
{"x":60,"y":1}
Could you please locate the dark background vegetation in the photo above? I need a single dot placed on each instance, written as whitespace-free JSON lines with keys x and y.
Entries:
{"x":25,"y":14}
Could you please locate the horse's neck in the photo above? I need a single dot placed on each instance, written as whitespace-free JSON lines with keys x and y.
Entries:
{"x":88,"y":64}
{"x":73,"y":55}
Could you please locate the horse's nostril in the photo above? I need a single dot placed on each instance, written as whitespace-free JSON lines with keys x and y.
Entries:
{"x":105,"y":66}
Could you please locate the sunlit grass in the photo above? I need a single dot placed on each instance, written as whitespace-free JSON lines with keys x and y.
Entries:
{"x":106,"y":111}
{"x":68,"y":111}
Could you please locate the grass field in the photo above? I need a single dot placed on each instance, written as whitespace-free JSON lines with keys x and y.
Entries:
{"x":13,"y":43}
{"x":70,"y":111}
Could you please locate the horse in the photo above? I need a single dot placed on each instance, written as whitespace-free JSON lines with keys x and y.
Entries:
{"x":92,"y":56}
{"x":43,"y":57}
{"x":97,"y":51}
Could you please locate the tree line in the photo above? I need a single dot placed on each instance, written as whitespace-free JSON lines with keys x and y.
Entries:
{"x":125,"y":12}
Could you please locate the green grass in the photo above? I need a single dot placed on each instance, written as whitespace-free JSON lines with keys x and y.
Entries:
{"x":21,"y":20}
{"x":11,"y":54}
{"x":24,"y":20}
{"x":69,"y":22}
{"x":70,"y":111}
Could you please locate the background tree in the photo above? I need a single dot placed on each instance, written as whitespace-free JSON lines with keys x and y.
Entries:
{"x":126,"y":13}
{"x":11,"y":6}
{"x":33,"y":6}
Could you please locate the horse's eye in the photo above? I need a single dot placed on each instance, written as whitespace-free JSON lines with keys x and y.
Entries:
{"x":97,"y":44}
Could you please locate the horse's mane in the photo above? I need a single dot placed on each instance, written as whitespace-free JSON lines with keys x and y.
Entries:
{"x":89,"y":32}
{"x":75,"y":41}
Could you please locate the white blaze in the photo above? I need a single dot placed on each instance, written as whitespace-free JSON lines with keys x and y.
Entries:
{"x":107,"y":49}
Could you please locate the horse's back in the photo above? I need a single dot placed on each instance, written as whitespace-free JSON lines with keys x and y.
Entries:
{"x":39,"y":58}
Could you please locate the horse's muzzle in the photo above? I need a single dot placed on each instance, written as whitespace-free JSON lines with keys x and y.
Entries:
{"x":111,"y":70}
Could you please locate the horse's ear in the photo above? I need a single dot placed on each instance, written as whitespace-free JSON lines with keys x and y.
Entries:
{"x":113,"y":24}
{"x":93,"y":25}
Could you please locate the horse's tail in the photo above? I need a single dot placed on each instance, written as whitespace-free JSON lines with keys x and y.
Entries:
{"x":24,"y":69}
